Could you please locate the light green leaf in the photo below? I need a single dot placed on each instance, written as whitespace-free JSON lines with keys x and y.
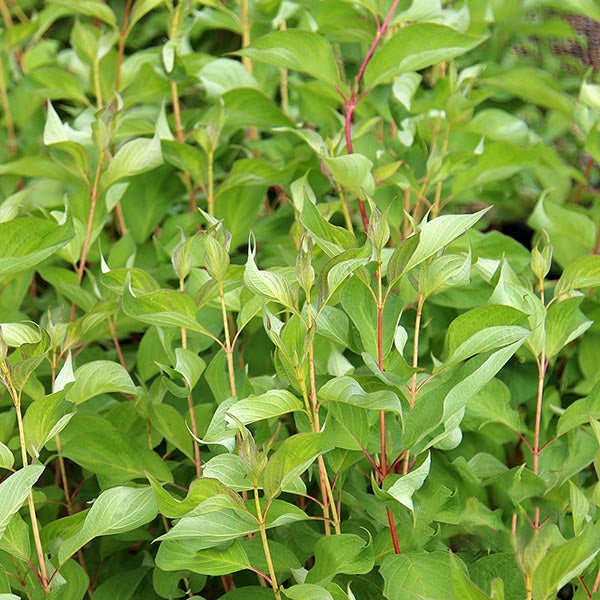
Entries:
{"x":99,"y":377}
{"x":273,"y":403}
{"x":339,"y":268}
{"x":134,"y":157}
{"x":582,"y":273}
{"x":307,"y":591}
{"x":291,"y":459}
{"x":89,"y":8}
{"x":45,"y":418}
{"x":298,"y":50}
{"x":416,"y":47}
{"x":175,"y":555}
{"x":7,"y":458}
{"x":353,"y":172}
{"x":14,"y":491}
{"x":580,"y":508}
{"x":348,"y":391}
{"x":564,"y":323}
{"x":403,"y":489}
{"x":141,"y":8}
{"x":439,"y":232}
{"x":271,"y":286}
{"x":563,"y":563}
{"x":117,"y":510}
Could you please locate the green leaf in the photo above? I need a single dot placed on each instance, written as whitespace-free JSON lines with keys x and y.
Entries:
{"x":273,"y":403}
{"x":14,"y":491}
{"x":27,"y":241}
{"x":271,"y":286}
{"x":346,"y":554}
{"x":177,"y":555}
{"x":416,"y":47}
{"x":133,"y":158}
{"x":534,"y":86}
{"x":462,"y":587}
{"x":580,"y":412}
{"x":45,"y":418}
{"x":7,"y":458}
{"x":122,"y":586}
{"x":348,"y":391}
{"x":117,"y":510}
{"x":212,"y":529}
{"x":564,"y":563}
{"x":564,"y":323}
{"x":99,"y":377}
{"x":291,"y":459}
{"x":298,"y":50}
{"x":164,"y":308}
{"x":353,"y":172}
{"x":339,"y":268}
{"x":114,"y":457}
{"x":582,"y":273}
{"x":404,"y":487}
{"x":417,"y":575}
{"x":141,"y":8}
{"x":89,"y":8}
{"x":171,"y":424}
{"x":307,"y":591}
{"x":439,"y":232}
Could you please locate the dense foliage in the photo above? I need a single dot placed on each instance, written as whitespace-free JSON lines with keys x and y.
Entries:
{"x":297,"y":299}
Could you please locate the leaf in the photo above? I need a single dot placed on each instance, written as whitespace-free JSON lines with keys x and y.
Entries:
{"x":582,"y":273}
{"x":291,"y":459}
{"x":339,"y":268}
{"x":298,"y":50}
{"x":348,"y":391}
{"x":271,"y":286}
{"x":7,"y":458}
{"x":212,"y":529}
{"x":45,"y":418}
{"x":307,"y":591}
{"x":141,"y":8}
{"x":563,"y":563}
{"x":564,"y":323}
{"x":109,"y":453}
{"x":345,"y":553}
{"x":14,"y":491}
{"x":200,"y":490}
{"x":99,"y":377}
{"x":580,"y":412}
{"x":271,"y":404}
{"x":134,"y":157}
{"x":121,"y":586}
{"x":164,"y":308}
{"x":439,"y":232}
{"x":90,"y":8}
{"x":176,"y":555}
{"x":534,"y":86}
{"x":403,"y":489}
{"x":117,"y":510}
{"x":27,"y":241}
{"x":462,"y":587}
{"x":353,"y":172}
{"x":416,"y":47}
{"x":417,"y":575}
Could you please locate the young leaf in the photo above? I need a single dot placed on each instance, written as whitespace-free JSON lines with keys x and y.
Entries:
{"x":403,"y":489}
{"x":133,"y":158}
{"x":579,"y":274}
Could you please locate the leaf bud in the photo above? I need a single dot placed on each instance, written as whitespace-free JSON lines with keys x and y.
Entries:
{"x":379,"y":230}
{"x":541,"y":257}
{"x":305,"y":274}
{"x":216,"y":259}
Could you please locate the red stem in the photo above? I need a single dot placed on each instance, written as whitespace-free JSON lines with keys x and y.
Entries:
{"x":353,"y":101}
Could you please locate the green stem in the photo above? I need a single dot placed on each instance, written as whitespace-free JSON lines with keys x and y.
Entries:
{"x":265,"y":543}
{"x":228,"y":344}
